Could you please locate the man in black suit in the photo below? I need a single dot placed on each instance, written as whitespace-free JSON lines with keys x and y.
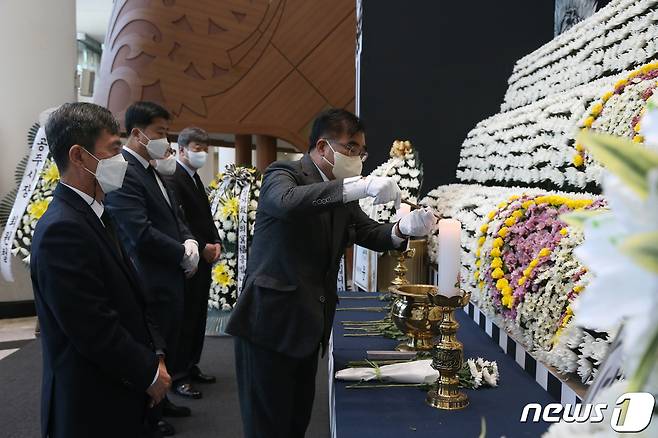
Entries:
{"x":158,"y":242}
{"x":191,"y":193}
{"x":308,"y":213}
{"x":99,"y":362}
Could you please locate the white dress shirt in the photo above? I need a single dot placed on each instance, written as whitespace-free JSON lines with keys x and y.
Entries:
{"x":96,"y":206}
{"x":146,"y":164}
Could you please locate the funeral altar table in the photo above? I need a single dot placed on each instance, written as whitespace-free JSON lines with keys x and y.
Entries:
{"x":402,"y":412}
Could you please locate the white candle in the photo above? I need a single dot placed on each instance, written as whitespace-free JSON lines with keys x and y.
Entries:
{"x":449,"y":262}
{"x":404,"y":210}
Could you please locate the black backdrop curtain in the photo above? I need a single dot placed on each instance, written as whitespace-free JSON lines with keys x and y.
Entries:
{"x":430,"y":70}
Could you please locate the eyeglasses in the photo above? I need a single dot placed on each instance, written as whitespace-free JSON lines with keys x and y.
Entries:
{"x":353,"y":149}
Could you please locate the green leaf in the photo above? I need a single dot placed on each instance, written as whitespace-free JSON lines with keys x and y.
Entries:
{"x":643,"y":249}
{"x":629,"y":161}
{"x":577,"y":218}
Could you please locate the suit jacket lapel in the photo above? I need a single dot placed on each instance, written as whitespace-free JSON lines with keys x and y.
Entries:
{"x":75,"y":201}
{"x":312,"y":176}
{"x":149,"y":180}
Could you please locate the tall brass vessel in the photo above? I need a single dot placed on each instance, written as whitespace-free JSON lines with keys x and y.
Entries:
{"x":414,"y":315}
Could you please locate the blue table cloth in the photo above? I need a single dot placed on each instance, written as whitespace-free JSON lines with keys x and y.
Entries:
{"x":402,"y":412}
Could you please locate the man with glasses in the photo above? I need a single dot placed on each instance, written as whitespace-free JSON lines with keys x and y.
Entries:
{"x":308,"y":213}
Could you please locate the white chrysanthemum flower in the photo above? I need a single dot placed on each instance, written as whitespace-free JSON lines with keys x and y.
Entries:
{"x":231,"y":236}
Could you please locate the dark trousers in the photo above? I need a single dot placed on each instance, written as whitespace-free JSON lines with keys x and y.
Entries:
{"x":168,"y":317}
{"x":276,"y":391}
{"x":193,"y":327}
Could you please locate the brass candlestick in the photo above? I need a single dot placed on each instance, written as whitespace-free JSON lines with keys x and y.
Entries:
{"x":448,"y":355}
{"x":401,"y":269}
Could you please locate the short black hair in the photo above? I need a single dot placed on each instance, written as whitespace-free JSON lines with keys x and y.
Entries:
{"x":77,"y":123}
{"x":141,"y":114}
{"x":333,"y":123}
{"x":192,"y":134}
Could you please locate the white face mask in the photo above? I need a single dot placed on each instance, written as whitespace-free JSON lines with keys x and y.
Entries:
{"x":166,"y":166}
{"x":197,"y":159}
{"x":157,"y":149}
{"x":109,"y":172}
{"x":345,"y":166}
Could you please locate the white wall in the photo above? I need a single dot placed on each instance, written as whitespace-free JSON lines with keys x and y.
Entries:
{"x":39,"y":56}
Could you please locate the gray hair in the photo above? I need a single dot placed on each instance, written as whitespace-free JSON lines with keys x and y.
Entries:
{"x":192,"y":134}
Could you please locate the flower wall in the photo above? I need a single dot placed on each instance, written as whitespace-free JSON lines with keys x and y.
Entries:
{"x":552,"y":92}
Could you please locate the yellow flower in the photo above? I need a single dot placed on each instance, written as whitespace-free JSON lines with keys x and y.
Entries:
{"x":478,"y":262}
{"x":527,"y":204}
{"x":534,"y":263}
{"x":564,"y":231}
{"x":497,"y":262}
{"x":522,"y":281}
{"x":484,"y":228}
{"x":504,"y":231}
{"x":607,"y":96}
{"x":38,"y":208}
{"x":481,"y":285}
{"x":51,"y":174}
{"x":502,"y":283}
{"x":578,"y":160}
{"x":230,"y":208}
{"x":596,"y":109}
{"x":222,"y":275}
{"x":495,"y":252}
{"x":477,"y":252}
{"x":214,"y":184}
{"x":579,"y":147}
{"x":514,"y":197}
{"x":544,"y":252}
{"x":476,"y":275}
{"x":497,"y":273}
{"x":507,"y":291}
{"x":481,"y":240}
{"x":578,"y":289}
{"x":510,"y":221}
{"x":507,"y":301}
{"x":491,"y":214}
{"x":498,"y":242}
{"x":518,"y":214}
{"x":588,"y":122}
{"x":502,"y":205}
{"x":620,"y":83}
{"x":638,"y":139}
{"x":636,"y":128}
{"x":527,"y":271}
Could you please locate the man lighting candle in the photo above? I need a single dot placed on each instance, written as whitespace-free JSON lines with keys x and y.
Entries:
{"x":308,"y":213}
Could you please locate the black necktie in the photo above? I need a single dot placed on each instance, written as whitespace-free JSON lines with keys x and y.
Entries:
{"x":199,"y":185}
{"x":111,"y":232}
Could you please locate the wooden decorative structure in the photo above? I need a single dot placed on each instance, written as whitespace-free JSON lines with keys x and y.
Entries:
{"x":263,"y":67}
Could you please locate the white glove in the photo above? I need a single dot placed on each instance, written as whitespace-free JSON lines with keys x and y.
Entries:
{"x":191,"y":257}
{"x":418,"y":223}
{"x":382,"y":188}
